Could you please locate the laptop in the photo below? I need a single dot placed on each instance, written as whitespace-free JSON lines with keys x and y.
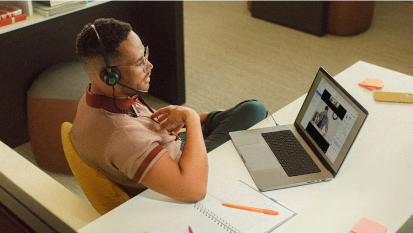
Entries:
{"x":311,"y":150}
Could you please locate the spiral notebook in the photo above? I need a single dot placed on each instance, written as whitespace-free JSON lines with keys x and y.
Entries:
{"x":209,"y":215}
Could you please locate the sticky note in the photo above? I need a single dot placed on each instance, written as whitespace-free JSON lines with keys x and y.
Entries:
{"x":368,"y":87}
{"x":366,"y":225}
{"x":373,"y":82}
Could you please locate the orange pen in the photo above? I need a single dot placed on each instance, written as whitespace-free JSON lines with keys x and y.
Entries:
{"x":272,"y":212}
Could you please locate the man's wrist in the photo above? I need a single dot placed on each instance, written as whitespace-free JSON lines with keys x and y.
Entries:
{"x":191,"y":117}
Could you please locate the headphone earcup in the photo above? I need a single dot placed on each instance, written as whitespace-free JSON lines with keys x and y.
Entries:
{"x":110,"y":78}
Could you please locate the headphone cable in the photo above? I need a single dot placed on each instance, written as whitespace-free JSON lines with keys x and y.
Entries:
{"x":268,"y":113}
{"x":124,"y":111}
{"x":116,"y":104}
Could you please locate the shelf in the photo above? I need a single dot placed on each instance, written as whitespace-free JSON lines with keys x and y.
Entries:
{"x":33,"y":18}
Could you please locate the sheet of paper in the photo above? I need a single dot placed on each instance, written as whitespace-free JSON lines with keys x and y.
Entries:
{"x":366,"y":225}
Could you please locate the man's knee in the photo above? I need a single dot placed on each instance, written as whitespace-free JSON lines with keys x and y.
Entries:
{"x":254,"y":108}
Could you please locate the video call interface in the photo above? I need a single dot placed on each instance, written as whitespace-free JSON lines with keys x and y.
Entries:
{"x":329,"y":119}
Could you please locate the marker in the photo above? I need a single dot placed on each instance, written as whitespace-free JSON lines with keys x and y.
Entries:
{"x":190,"y":229}
{"x":272,"y":212}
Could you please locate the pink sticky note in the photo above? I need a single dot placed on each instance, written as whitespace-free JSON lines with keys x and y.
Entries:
{"x":366,"y":225}
{"x":368,"y":87}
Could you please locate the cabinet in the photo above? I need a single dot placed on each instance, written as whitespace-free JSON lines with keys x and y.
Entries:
{"x":28,"y":48}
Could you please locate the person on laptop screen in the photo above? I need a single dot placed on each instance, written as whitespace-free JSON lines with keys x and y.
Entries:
{"x":118,"y":133}
{"x":323,"y":120}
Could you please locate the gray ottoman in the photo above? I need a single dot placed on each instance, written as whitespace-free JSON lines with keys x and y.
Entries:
{"x":51,"y":100}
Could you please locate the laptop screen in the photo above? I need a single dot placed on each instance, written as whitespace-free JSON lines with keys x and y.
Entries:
{"x":330,"y":120}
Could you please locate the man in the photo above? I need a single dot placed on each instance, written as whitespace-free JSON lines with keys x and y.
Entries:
{"x":323,"y":120}
{"x":117,"y":132}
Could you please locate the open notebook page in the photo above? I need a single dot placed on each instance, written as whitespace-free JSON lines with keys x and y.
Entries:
{"x":209,"y":215}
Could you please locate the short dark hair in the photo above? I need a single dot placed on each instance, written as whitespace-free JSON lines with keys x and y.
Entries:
{"x":111,"y":31}
{"x":326,"y":108}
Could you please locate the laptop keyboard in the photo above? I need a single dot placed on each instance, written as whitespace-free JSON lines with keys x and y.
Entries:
{"x":290,"y":153}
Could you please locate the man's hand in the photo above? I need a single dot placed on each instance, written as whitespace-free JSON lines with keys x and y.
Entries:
{"x":173,"y":117}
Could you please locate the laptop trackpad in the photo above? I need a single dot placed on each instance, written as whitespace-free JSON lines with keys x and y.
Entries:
{"x":259,"y":157}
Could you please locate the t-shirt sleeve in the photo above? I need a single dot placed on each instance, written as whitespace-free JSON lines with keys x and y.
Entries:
{"x":133,"y":150}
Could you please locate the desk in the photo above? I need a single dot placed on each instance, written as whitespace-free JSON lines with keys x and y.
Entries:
{"x":375,"y":180}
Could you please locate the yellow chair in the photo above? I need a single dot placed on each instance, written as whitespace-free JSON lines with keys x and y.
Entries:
{"x":103,"y":193}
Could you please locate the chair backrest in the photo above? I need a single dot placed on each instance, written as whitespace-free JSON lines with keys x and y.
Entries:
{"x":103,"y":193}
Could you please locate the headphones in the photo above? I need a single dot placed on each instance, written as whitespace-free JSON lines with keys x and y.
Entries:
{"x":110,"y":75}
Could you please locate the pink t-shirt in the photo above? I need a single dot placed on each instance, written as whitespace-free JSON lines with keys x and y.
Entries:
{"x":121,"y":146}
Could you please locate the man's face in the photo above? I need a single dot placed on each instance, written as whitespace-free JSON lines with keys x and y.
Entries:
{"x":325,"y":112}
{"x":135,"y":74}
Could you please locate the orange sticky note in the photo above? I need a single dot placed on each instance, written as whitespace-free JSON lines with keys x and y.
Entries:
{"x":373,"y":82}
{"x":366,"y":225}
{"x":368,"y":87}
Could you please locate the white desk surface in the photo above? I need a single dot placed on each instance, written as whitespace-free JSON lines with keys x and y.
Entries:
{"x":375,"y":181}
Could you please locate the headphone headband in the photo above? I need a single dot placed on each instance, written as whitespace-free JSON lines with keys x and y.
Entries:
{"x":111,"y":75}
{"x":102,"y":50}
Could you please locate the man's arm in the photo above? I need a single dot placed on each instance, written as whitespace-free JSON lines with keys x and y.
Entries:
{"x":325,"y":127}
{"x":187,"y":179}
{"x":320,"y":116}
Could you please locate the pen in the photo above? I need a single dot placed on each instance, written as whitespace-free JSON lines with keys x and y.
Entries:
{"x":272,"y":212}
{"x":190,"y":229}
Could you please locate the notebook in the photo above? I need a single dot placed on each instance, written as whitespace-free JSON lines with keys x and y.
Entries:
{"x":209,"y":215}
{"x":313,"y":148}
